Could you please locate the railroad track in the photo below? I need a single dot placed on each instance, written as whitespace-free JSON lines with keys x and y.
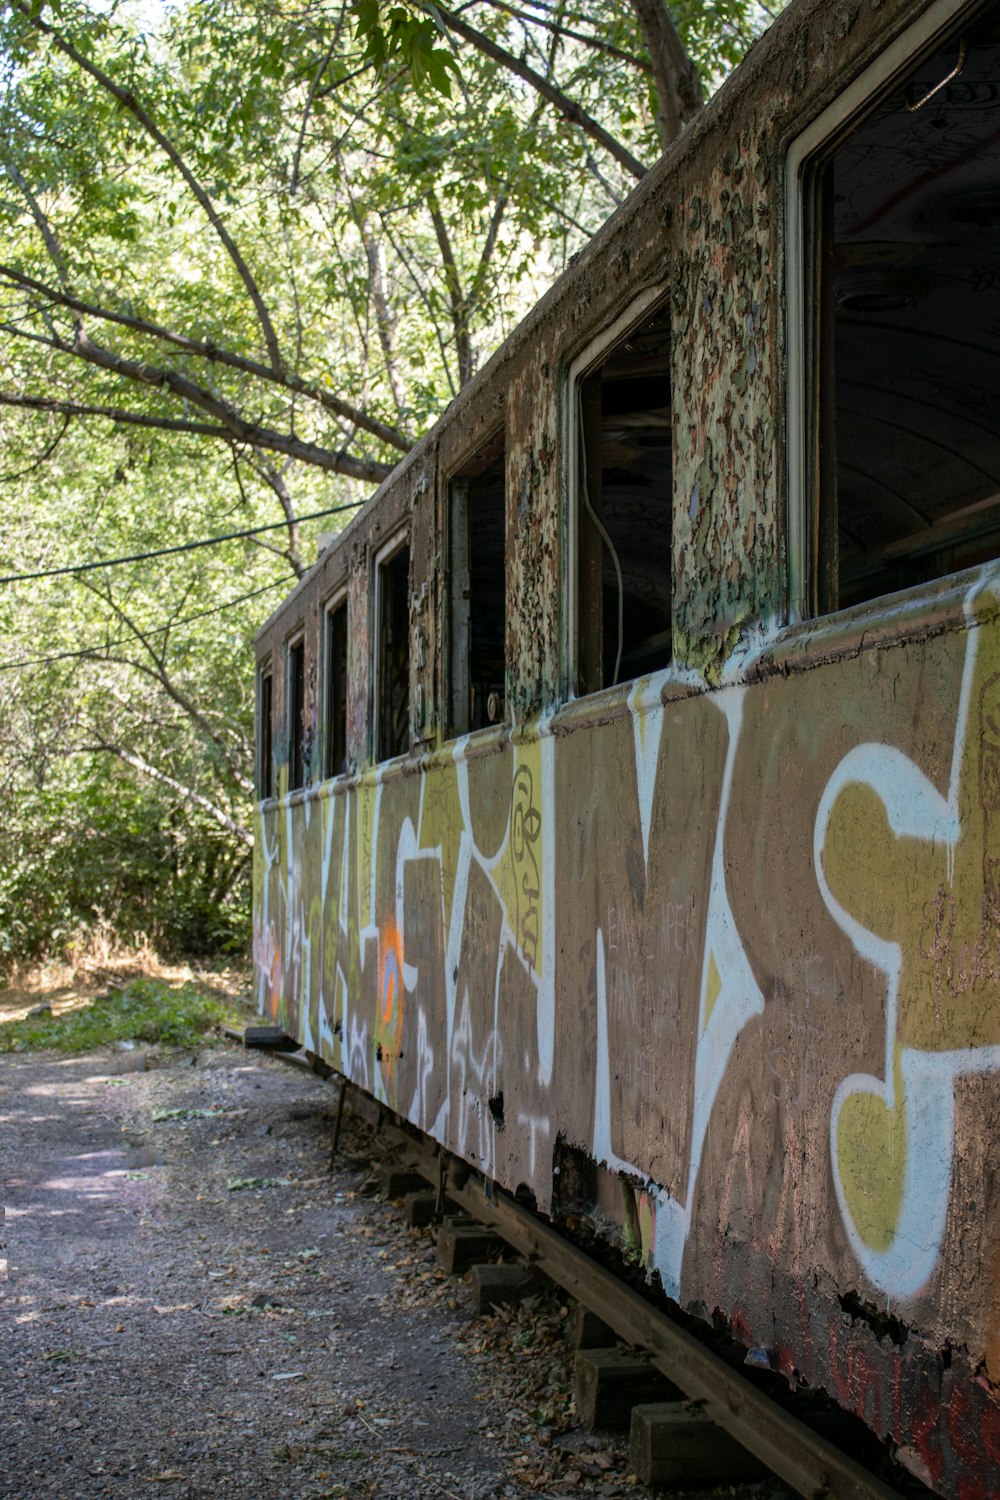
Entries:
{"x":711,"y":1394}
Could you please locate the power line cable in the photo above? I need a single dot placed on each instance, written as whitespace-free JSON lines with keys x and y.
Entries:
{"x":123,"y":640}
{"x":208,"y":541}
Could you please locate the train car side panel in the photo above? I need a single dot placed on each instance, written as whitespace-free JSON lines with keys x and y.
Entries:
{"x":767,"y":1005}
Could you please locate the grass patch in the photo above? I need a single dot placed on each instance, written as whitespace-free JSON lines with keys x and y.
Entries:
{"x":146,"y":1010}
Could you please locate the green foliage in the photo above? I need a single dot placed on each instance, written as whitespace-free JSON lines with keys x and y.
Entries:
{"x":248,"y":233}
{"x":146,"y":1010}
{"x":405,"y":36}
{"x":104,"y":846}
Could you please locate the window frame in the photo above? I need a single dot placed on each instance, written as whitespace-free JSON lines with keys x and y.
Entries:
{"x":807,"y":154}
{"x":336,"y":601}
{"x":457,"y":494}
{"x":382,"y":556}
{"x":265,"y":732}
{"x":582,"y":365}
{"x":295,"y":642}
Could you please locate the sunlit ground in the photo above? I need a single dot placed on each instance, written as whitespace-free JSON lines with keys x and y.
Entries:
{"x":100,"y":962}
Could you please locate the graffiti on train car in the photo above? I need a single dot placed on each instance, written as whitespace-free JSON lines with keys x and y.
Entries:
{"x":763,"y":944}
{"x":892,"y":1136}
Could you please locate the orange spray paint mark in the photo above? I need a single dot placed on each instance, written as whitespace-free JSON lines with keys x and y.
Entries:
{"x":389,"y":1029}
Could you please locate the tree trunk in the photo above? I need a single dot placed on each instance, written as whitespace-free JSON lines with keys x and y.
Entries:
{"x":677,"y":85}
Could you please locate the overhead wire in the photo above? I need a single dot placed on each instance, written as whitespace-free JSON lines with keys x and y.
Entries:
{"x":84,"y":652}
{"x":208,"y":541}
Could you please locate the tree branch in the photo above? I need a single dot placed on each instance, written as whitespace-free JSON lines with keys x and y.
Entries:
{"x":188,"y":793}
{"x":677,"y":87}
{"x":489,"y":245}
{"x":383,"y":318}
{"x":293,"y":186}
{"x":42,"y":458}
{"x":567,"y":107}
{"x":459,"y":308}
{"x":276,"y":481}
{"x":250,"y":434}
{"x":48,"y":234}
{"x":576,"y":36}
{"x":158,"y":672}
{"x":129,"y":102}
{"x":211,"y":352}
{"x":421,"y":292}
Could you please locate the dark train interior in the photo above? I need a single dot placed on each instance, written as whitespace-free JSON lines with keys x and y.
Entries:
{"x":476,"y":588}
{"x":298,"y":755}
{"x":624,"y":510}
{"x":914,"y":455}
{"x":335,"y":743}
{"x":393,"y":669}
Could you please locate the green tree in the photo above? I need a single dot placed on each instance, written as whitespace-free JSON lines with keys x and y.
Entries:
{"x":249,"y":255}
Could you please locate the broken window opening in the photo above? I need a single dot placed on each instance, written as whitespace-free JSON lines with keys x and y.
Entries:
{"x":392,"y":677}
{"x":477,"y":534}
{"x":265,"y":743}
{"x":335,"y":728}
{"x":623,"y":509}
{"x":906,"y":328}
{"x":298,"y":754}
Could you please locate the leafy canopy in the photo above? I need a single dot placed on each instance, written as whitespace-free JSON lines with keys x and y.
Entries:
{"x":249,"y":254}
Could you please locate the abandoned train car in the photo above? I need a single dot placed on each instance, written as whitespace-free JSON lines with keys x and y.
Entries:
{"x":629,"y":768}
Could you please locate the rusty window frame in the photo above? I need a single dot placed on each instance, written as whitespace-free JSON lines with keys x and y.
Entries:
{"x":808,"y":509}
{"x":459,"y":599}
{"x":295,"y":711}
{"x":582,"y":365}
{"x":385,"y":555}
{"x":265,"y":731}
{"x":335,"y":713}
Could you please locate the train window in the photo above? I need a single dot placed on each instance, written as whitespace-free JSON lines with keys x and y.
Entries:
{"x":265,"y":743}
{"x":296,"y":694}
{"x":335,"y":696}
{"x":476,"y":589}
{"x":392,"y":676}
{"x":905,"y":235}
{"x":622,"y":478}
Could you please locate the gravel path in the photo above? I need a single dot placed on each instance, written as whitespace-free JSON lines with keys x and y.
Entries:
{"x":195,"y":1308}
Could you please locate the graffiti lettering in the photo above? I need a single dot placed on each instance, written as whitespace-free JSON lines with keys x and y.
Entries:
{"x":525,"y":831}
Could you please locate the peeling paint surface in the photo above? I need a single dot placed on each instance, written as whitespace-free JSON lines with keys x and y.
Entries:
{"x":724,"y":410}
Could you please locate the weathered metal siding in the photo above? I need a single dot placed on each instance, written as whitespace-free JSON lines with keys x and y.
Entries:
{"x":534,"y":545}
{"x":727,"y":518}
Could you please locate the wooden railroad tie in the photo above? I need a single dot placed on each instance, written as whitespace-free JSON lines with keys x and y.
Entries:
{"x":589,"y":1331}
{"x":398,"y":1181}
{"x":501,"y":1286}
{"x":270,"y":1038}
{"x":421,"y":1208}
{"x":463,"y":1243}
{"x":609,"y":1382}
{"x":674,"y":1443}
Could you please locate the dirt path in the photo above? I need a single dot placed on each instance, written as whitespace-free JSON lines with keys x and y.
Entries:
{"x":195,"y":1308}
